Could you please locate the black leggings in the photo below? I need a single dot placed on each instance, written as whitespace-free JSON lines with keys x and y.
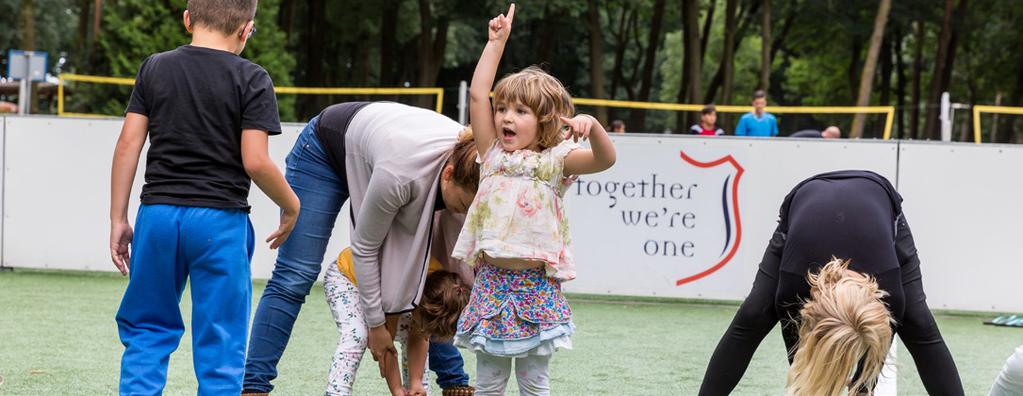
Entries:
{"x":759,"y":313}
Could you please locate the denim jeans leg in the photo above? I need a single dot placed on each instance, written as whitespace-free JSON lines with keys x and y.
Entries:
{"x":446,"y":361}
{"x":321,"y":192}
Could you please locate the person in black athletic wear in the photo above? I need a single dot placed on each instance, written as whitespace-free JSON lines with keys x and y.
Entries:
{"x":855,"y":216}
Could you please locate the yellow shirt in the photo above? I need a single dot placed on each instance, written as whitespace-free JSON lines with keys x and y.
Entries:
{"x":347,"y":266}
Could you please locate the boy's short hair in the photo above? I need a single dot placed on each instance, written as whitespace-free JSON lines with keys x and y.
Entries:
{"x":759,"y":94}
{"x":224,"y":16}
{"x":708,"y":109}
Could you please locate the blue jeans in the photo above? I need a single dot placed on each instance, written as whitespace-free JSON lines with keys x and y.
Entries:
{"x":299,"y":259}
{"x":213,"y":248}
{"x":446,"y":362}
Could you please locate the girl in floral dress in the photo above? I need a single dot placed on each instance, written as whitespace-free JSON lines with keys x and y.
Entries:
{"x":515,"y":233}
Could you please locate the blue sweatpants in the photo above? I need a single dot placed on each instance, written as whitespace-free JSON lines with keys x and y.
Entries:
{"x":172,"y":243}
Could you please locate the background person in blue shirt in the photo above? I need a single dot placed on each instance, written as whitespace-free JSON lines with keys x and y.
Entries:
{"x":758,"y":123}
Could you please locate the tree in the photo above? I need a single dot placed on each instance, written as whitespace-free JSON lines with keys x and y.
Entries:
{"x":689,"y":90}
{"x":918,"y":65}
{"x":596,"y":58}
{"x":638,"y":117}
{"x":900,"y":84}
{"x":388,"y":41}
{"x":727,"y":59}
{"x":314,"y":38}
{"x":724,"y":78}
{"x":134,"y":29}
{"x":27,"y":26}
{"x":867,"y":78}
{"x":431,"y":44}
{"x":626,"y":23}
{"x":931,"y":129}
{"x":708,"y":22}
{"x":765,"y":54}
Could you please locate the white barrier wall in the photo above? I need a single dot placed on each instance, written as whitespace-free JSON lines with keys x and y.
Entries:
{"x":57,"y":200}
{"x":675,"y":217}
{"x":963,"y":202}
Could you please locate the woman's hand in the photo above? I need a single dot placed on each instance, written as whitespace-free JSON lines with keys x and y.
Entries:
{"x":382,"y":347}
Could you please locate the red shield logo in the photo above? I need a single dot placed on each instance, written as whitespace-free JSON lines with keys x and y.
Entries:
{"x":724,"y":173}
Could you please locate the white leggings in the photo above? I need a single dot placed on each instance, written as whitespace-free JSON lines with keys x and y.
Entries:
{"x":531,"y":373}
{"x":343,"y":299}
{"x":1010,"y":381}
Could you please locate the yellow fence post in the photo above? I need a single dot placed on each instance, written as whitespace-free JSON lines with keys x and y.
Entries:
{"x":976,"y":124}
{"x":978,"y":109}
{"x":60,"y":95}
{"x":888,"y":123}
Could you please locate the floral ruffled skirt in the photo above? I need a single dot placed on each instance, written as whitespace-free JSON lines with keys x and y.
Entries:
{"x":515,"y":313}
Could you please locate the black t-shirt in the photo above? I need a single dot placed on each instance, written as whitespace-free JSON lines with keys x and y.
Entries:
{"x":198,"y":101}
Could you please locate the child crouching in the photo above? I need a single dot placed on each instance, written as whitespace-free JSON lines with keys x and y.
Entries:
{"x":436,"y":316}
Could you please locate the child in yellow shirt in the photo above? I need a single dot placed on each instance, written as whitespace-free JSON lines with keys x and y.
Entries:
{"x":443,"y":298}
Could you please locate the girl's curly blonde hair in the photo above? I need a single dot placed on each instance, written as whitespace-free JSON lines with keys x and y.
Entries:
{"x":543,"y":94}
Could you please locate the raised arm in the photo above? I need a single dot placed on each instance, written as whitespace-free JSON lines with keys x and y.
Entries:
{"x":481,"y":115}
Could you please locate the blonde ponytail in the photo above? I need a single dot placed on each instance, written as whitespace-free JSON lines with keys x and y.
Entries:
{"x":843,"y":321}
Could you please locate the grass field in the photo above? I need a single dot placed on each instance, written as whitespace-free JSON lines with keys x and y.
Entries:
{"x":57,"y":336}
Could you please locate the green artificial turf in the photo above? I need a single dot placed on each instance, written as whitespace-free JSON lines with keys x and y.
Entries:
{"x":58,"y":336}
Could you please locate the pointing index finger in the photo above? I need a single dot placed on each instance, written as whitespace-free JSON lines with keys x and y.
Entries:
{"x":511,"y":12}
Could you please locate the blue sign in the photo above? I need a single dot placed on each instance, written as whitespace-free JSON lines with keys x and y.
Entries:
{"x":26,"y":65}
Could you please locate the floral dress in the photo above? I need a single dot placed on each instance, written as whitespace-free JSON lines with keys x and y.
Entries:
{"x":518,"y":213}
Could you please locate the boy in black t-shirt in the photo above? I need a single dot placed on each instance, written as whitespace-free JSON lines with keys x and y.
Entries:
{"x":207,"y":113}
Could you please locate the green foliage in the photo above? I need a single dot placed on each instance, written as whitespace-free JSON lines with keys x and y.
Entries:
{"x":267,"y":49}
{"x":135,"y":29}
{"x":820,"y":47}
{"x":52,"y":32}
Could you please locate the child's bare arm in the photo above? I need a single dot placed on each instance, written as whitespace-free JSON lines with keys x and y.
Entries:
{"x":481,"y":115}
{"x":393,"y":376}
{"x":418,"y":347}
{"x":601,"y":154}
{"x":122,"y":176}
{"x":268,"y":178}
{"x":389,"y":361}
